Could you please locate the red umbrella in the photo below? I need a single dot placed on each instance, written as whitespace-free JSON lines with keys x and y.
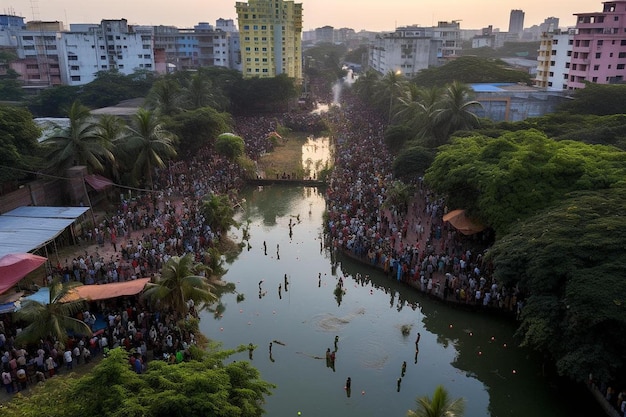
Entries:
{"x":15,"y":266}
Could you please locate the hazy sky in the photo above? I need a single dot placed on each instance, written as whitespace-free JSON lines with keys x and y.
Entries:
{"x":375,"y":15}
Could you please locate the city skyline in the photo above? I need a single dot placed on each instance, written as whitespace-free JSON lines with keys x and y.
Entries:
{"x":355,"y":14}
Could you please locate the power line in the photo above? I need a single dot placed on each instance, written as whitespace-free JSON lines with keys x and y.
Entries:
{"x":58,"y":177}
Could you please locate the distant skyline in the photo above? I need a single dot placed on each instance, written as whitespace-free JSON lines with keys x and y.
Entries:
{"x":373,"y":15}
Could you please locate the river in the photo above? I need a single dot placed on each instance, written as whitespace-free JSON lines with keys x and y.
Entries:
{"x":472,"y":355}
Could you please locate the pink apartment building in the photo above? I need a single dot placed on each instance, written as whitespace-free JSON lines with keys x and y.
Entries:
{"x":599,"y":48}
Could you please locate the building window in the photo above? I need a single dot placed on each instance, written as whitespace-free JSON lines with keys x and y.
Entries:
{"x":74,"y":67}
{"x":72,"y":58}
{"x":75,"y":77}
{"x":598,"y":55}
{"x":554,"y":52}
{"x":147,"y":47}
{"x":147,"y":56}
{"x":623,"y":42}
{"x":565,"y":76}
{"x":596,"y":67}
{"x":552,"y":63}
{"x":121,"y":66}
{"x":600,"y":42}
{"x":246,"y":27}
{"x":622,"y":55}
{"x":29,"y":47}
{"x":569,"y":53}
{"x":148,"y":66}
{"x":263,"y":27}
{"x":621,"y":66}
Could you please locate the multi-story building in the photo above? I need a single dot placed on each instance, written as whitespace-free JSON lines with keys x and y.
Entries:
{"x":110,"y":45}
{"x":599,"y":50}
{"x":516,"y":22}
{"x":413,"y":48}
{"x":270,"y":34}
{"x":486,"y":39}
{"x":325,"y":34}
{"x":553,"y":59}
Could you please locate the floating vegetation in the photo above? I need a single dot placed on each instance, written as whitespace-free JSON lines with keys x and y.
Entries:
{"x":406,"y":329}
{"x":240,"y":297}
{"x":330,"y":323}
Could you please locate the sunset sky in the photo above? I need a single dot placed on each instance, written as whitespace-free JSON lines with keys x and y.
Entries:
{"x":375,"y":15}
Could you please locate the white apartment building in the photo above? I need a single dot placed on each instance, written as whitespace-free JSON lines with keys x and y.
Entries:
{"x":111,"y":45}
{"x":553,"y":61}
{"x":413,"y":48}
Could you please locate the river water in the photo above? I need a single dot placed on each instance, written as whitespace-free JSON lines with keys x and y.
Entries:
{"x":472,"y":355}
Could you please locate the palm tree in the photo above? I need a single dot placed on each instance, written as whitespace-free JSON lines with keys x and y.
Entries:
{"x":165,"y":96}
{"x":198,"y":92}
{"x":390,"y":88}
{"x":53,"y":319}
{"x":365,"y":85}
{"x":179,"y":283}
{"x":455,"y":111}
{"x":148,"y":143}
{"x":79,"y":143}
{"x":218,"y":213}
{"x":111,"y":129}
{"x":439,"y":406}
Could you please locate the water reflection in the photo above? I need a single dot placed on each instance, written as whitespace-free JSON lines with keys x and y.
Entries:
{"x":372,"y":324}
{"x":316,"y":155}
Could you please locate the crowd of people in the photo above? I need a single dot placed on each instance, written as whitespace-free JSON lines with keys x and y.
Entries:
{"x":410,"y":242}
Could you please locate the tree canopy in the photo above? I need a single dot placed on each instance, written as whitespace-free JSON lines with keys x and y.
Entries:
{"x":509,"y":178}
{"x":18,"y":142}
{"x":568,"y":259}
{"x":198,"y":128}
{"x":230,"y":145}
{"x":599,"y":99}
{"x":470,"y":69}
{"x":197,"y":388}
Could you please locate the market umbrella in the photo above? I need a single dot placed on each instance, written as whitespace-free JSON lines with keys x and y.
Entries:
{"x":462,"y":223}
{"x":15,"y":266}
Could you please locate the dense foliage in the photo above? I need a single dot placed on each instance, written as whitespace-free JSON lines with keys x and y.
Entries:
{"x":569,"y":260}
{"x":196,"y":388}
{"x":198,"y":128}
{"x":506,"y":179}
{"x":599,"y":99}
{"x":470,"y":69}
{"x":18,"y":142}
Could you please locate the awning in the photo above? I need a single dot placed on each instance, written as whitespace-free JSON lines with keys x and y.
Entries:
{"x":42,"y":296}
{"x":98,"y":182}
{"x":8,"y":301}
{"x":15,"y":266}
{"x":107,"y":291}
{"x":462,"y":223}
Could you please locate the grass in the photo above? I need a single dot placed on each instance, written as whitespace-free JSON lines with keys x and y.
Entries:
{"x":286,"y":158}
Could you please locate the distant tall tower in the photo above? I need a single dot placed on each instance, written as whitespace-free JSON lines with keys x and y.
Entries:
{"x":270,"y":33}
{"x":516,"y":22}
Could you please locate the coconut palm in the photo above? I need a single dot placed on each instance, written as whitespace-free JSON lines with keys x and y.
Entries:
{"x":79,"y":143}
{"x":148,"y":143}
{"x":54,"y":319}
{"x":455,"y":111}
{"x":180,"y":282}
{"x":111,"y":129}
{"x":198,"y":92}
{"x":166,"y":96}
{"x":390,"y":88}
{"x":365,"y":85}
{"x":439,"y":405}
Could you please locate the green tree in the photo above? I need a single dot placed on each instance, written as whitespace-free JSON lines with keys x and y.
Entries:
{"x":365,"y":86}
{"x":470,"y":69}
{"x":230,"y":145}
{"x":454,"y":111}
{"x":196,"y":388}
{"x":398,"y":195}
{"x":567,"y":262}
{"x":198,"y":128}
{"x":506,"y":179}
{"x":78,"y":144}
{"x":440,"y":405}
{"x":180,"y":282}
{"x":18,"y":142}
{"x":218,"y":213}
{"x":389,"y":89}
{"x":55,"y":101}
{"x":412,"y":162}
{"x":109,"y":88}
{"x":166,"y":96}
{"x":396,"y":136}
{"x":10,"y":86}
{"x":53,"y":319}
{"x":149,"y":143}
{"x":598,"y":99}
{"x":417,"y":109}
{"x":199,"y":92}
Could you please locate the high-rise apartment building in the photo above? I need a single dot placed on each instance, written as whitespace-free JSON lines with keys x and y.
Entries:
{"x":553,"y":60}
{"x":270,"y":34}
{"x":599,"y":50}
{"x":516,"y":22}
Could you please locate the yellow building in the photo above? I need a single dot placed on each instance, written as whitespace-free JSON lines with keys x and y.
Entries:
{"x":270,"y":35}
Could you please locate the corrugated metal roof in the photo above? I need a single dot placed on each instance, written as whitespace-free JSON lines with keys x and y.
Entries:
{"x":28,"y":228}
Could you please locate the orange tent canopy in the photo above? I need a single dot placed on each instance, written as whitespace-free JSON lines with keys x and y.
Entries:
{"x":106,"y":291}
{"x":462,"y":223}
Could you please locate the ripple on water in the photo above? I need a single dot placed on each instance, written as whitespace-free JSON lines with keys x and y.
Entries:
{"x":328,"y":322}
{"x":372,"y":354}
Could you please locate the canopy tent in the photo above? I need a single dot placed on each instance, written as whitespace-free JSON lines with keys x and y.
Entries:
{"x":42,"y":296}
{"x":15,"y":266}
{"x":98,"y":182}
{"x":462,"y":223}
{"x":28,"y":228}
{"x":9,"y":301}
{"x":107,"y":291}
